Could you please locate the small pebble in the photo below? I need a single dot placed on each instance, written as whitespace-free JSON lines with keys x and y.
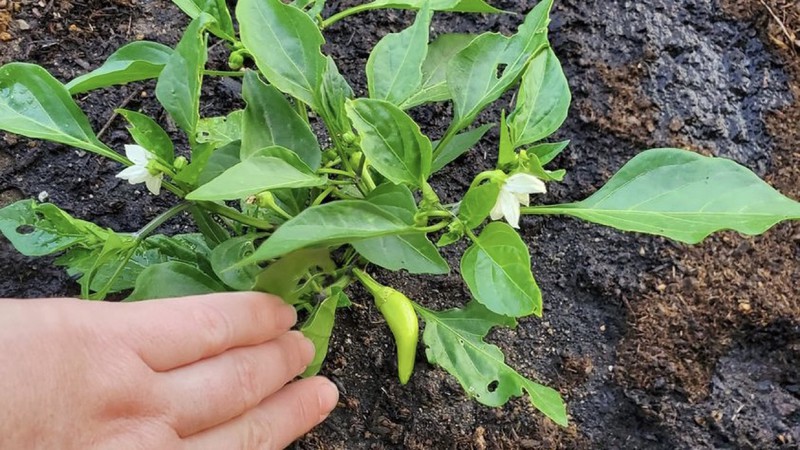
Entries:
{"x":23,"y":26}
{"x":43,"y":196}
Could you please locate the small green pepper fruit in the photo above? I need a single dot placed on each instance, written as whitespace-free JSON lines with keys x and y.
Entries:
{"x":236,"y":60}
{"x":398,"y":310}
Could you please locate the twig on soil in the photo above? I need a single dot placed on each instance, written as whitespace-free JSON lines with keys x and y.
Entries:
{"x":124,"y":103}
{"x":789,"y":34}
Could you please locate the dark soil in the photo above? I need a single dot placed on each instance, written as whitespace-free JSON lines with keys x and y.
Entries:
{"x":653,"y":344}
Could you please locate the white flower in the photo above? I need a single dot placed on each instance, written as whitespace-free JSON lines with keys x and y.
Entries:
{"x":139,"y":172}
{"x":516,"y":191}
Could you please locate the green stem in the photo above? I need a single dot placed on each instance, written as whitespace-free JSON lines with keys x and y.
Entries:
{"x":448,"y":136}
{"x":545,"y":210}
{"x":434,"y":228}
{"x":322,"y":196}
{"x":160,"y":220}
{"x":343,"y":173}
{"x":347,"y":13}
{"x":236,"y":215}
{"x":437,"y":214}
{"x":223,"y":73}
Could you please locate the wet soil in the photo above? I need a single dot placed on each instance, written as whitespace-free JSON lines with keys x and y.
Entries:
{"x":653,"y":344}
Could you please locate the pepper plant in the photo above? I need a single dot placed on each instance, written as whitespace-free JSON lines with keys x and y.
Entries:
{"x":280,"y":210}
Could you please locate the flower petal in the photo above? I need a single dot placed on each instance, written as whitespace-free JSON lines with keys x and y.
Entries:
{"x":523,"y":183}
{"x":153,"y":184}
{"x":511,"y":209}
{"x":497,"y":210}
{"x":134,"y":174}
{"x":138,"y":154}
{"x":523,"y":199}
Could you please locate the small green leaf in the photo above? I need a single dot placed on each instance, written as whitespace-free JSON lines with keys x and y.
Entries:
{"x":147,"y":133}
{"x":474,"y":6}
{"x":281,"y":278}
{"x":506,"y":156}
{"x":270,"y":120}
{"x":201,"y":153}
{"x":454,"y":341}
{"x":478,"y":203}
{"x":533,"y":166}
{"x":329,"y":224}
{"x":547,"y":151}
{"x":220,"y":131}
{"x":394,"y":68}
{"x":136,"y":61}
{"x":391,"y":140}
{"x":173,"y":279}
{"x":683,"y":196}
{"x":179,"y":84}
{"x":225,"y":262}
{"x":497,"y":269}
{"x":218,"y":9}
{"x":434,"y":69}
{"x":221,"y":160}
{"x":457,"y":146}
{"x":543,"y":101}
{"x":396,"y":199}
{"x":335,"y":92}
{"x":36,"y":105}
{"x":213,"y":232}
{"x":42,"y":229}
{"x":285,"y":44}
{"x":490,"y":64}
{"x":318,"y":328}
{"x":261,"y":172}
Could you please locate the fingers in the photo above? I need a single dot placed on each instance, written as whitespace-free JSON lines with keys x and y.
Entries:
{"x":276,"y":422}
{"x":174,"y":332}
{"x":214,"y":391}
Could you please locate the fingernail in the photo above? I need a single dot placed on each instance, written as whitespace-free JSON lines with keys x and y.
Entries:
{"x":288,"y":316}
{"x":328,"y":398}
{"x":309,"y":349}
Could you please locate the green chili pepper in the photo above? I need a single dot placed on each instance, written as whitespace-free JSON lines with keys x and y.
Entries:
{"x":398,"y":310}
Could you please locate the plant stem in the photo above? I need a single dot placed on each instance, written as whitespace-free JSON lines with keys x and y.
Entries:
{"x":544,"y":210}
{"x":343,"y":173}
{"x":232,"y":214}
{"x":160,"y":219}
{"x":223,"y":73}
{"x":346,"y":13}
{"x":322,"y":196}
{"x":434,"y":228}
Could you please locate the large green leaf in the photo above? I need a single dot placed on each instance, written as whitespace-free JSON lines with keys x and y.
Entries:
{"x":394,"y":68}
{"x":173,"y":279}
{"x":225,"y":262}
{"x":457,"y":146}
{"x":490,"y":64}
{"x":434,"y":68}
{"x":475,"y":6}
{"x":221,"y":130}
{"x":270,"y":120}
{"x":683,"y":196}
{"x":497,"y":269}
{"x":179,"y":84}
{"x":136,"y":61}
{"x":147,"y":133}
{"x":391,"y":140}
{"x":318,"y":328}
{"x":454,"y":341}
{"x":218,"y":9}
{"x":282,"y":277}
{"x":36,"y":105}
{"x":332,"y":223}
{"x":542,"y":102}
{"x":285,"y":44}
{"x":221,"y":160}
{"x":477,"y":203}
{"x":42,"y":229}
{"x":272,"y":168}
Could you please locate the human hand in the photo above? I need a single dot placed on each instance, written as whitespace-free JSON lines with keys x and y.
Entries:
{"x":195,"y":373}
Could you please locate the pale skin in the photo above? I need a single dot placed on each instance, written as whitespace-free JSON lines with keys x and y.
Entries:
{"x":196,"y":373}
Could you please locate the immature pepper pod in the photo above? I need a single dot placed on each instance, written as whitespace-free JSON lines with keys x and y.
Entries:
{"x":399,"y":313}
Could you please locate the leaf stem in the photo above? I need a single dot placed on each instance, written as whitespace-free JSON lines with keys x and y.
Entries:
{"x":160,"y":220}
{"x":223,"y":73}
{"x":343,"y":173}
{"x":232,"y":214}
{"x":434,"y":228}
{"x":347,"y":13}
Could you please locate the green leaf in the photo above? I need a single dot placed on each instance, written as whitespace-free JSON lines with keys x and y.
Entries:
{"x":220,"y":131}
{"x":497,"y":269}
{"x":179,"y":84}
{"x":42,"y":229}
{"x":683,"y":196}
{"x":201,"y":153}
{"x":270,"y":120}
{"x":221,"y":160}
{"x":474,"y":6}
{"x":434,"y":69}
{"x":454,"y":341}
{"x":318,"y":328}
{"x":147,"y":133}
{"x":534,"y":166}
{"x":285,"y":44}
{"x":335,"y":92}
{"x":80,"y":262}
{"x":218,"y":9}
{"x":36,"y":105}
{"x":547,"y":151}
{"x":396,"y":199}
{"x":542,"y":102}
{"x":457,"y":146}
{"x":490,"y":64}
{"x":225,"y":262}
{"x":329,"y":224}
{"x":173,"y":279}
{"x":213,"y":232}
{"x":394,"y":68}
{"x":478,"y":203}
{"x":261,"y":172}
{"x":391,"y":140}
{"x":281,"y":278}
{"x":136,"y":61}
